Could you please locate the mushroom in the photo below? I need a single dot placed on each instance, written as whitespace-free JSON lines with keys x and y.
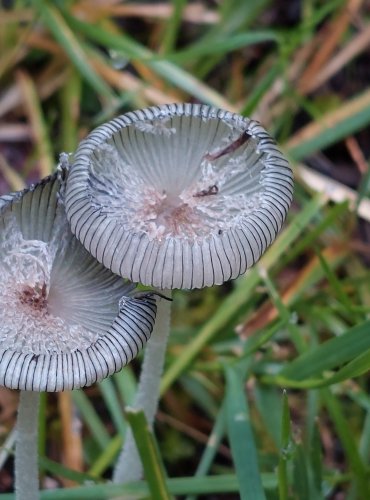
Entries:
{"x":66,"y":321}
{"x":176,"y":196}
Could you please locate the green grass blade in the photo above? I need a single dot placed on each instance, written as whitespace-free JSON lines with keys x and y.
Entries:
{"x":285,"y":450}
{"x":212,"y":444}
{"x":172,"y":26}
{"x":349,"y":444}
{"x":149,"y":454}
{"x":169,"y":71}
{"x":260,"y":89}
{"x":91,"y":418}
{"x":335,"y":283}
{"x":268,"y":401}
{"x":224,"y":483}
{"x":300,"y":474}
{"x":330,"y":354}
{"x":358,"y":366}
{"x":126,"y":384}
{"x":70,"y":98}
{"x":364,"y":446}
{"x":61,"y":471}
{"x":241,"y":438}
{"x":106,"y":457}
{"x":234,"y":16}
{"x":110,"y":397}
{"x":352,"y":116}
{"x":223,"y":45}
{"x":65,"y":36}
{"x":316,"y":463}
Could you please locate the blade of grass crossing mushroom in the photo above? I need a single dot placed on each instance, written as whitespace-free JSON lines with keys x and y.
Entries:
{"x":149,"y":454}
{"x":241,"y":438}
{"x":245,"y":286}
{"x":126,"y":384}
{"x":26,"y":457}
{"x":129,"y":467}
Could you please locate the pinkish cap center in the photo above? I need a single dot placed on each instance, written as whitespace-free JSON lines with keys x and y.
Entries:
{"x":34,"y":297}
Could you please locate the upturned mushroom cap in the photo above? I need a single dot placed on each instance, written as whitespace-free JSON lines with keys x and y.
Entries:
{"x":65,"y":320}
{"x":178,"y":196}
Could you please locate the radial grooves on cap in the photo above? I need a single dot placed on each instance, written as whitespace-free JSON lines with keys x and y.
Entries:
{"x":189,"y":263}
{"x":34,"y":208}
{"x":56,"y":372}
{"x":91,"y":294}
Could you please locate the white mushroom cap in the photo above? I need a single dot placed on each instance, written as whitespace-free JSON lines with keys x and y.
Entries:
{"x":178,"y":196}
{"x":65,"y":320}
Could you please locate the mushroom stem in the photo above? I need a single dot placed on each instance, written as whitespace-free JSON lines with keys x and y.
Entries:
{"x":26,"y":451}
{"x":129,"y":466}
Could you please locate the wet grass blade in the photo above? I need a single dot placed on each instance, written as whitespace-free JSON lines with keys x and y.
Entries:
{"x":241,"y":438}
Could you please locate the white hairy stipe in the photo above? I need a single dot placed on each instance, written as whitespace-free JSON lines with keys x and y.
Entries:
{"x":198,"y":211}
{"x":29,"y":317}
